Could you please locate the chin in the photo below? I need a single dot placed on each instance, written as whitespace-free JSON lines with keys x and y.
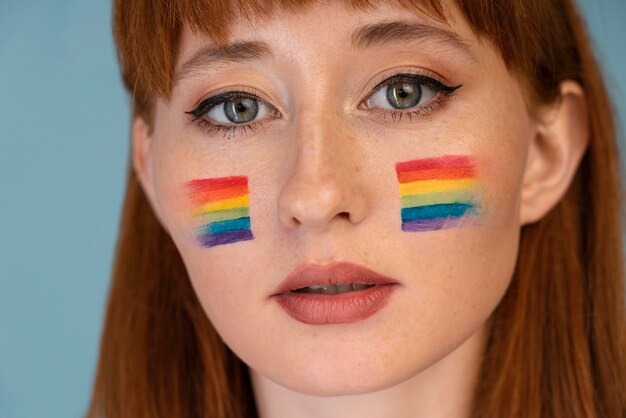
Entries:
{"x":340,"y":383}
{"x":340,"y":372}
{"x":341,"y":366}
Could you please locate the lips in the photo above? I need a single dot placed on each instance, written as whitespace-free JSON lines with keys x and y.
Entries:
{"x":371,"y":292}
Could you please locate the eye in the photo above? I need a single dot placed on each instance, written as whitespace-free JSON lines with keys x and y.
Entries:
{"x":232,"y":109}
{"x":238,"y":110}
{"x":405,"y":91}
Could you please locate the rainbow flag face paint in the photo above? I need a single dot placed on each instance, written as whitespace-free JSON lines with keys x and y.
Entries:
{"x":437,"y":193}
{"x":222,"y":208}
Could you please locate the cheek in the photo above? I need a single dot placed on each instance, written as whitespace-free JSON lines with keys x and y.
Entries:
{"x":459,"y":218}
{"x":459,"y":240}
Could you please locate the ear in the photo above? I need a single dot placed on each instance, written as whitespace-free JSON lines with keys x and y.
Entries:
{"x":559,"y":142}
{"x":142,"y":156}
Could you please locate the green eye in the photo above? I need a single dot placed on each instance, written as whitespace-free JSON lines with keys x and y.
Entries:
{"x":407,"y":91}
{"x":241,"y":109}
{"x":403,"y":95}
{"x":232,"y":112}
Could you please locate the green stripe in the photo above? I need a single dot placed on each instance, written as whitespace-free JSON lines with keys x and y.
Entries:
{"x":225,"y":226}
{"x":458,"y":196}
{"x":224,"y":215}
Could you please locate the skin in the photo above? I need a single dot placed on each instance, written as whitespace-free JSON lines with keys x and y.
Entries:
{"x":323,"y":188}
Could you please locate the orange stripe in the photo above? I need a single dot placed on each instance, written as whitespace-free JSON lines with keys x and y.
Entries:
{"x":437,"y":174}
{"x":210,"y":196}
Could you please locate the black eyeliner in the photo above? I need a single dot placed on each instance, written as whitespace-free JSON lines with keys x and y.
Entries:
{"x":435,"y":85}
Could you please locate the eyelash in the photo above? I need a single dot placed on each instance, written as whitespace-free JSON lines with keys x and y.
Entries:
{"x":442,"y":91}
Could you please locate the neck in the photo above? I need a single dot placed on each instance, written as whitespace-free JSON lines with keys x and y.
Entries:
{"x":445,"y":389}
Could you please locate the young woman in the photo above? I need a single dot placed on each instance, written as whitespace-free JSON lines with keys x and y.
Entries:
{"x":365,"y":209}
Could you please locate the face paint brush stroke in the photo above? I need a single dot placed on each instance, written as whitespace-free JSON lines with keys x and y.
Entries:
{"x":437,"y":193}
{"x":222,"y":210}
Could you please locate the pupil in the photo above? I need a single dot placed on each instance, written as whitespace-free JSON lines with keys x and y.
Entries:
{"x":403,"y":95}
{"x":241,"y":110}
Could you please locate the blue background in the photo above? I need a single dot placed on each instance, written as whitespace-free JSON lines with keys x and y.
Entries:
{"x":64,"y":129}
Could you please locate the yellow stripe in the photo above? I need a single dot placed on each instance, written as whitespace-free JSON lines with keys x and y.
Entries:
{"x":425,"y":199}
{"x":430,"y":186}
{"x":235,"y":202}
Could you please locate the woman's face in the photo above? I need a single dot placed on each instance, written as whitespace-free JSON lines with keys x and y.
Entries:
{"x":323,"y":106}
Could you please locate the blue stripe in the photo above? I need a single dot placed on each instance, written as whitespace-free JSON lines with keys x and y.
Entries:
{"x":225,"y":226}
{"x":449,"y":210}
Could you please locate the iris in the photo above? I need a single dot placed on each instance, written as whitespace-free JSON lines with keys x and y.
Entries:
{"x":403,"y":95}
{"x":241,"y":109}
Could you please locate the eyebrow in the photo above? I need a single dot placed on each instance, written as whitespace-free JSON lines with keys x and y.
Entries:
{"x":363,"y":37}
{"x":211,"y":55}
{"x":407,"y":31}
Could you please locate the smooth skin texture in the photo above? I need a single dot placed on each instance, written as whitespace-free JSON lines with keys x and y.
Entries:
{"x":323,"y":188}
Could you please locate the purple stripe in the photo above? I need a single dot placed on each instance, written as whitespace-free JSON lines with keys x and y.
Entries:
{"x":420,"y":225}
{"x":225,"y":237}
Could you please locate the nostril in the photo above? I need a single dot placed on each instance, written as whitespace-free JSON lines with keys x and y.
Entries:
{"x":295,"y":221}
{"x":344,"y":215}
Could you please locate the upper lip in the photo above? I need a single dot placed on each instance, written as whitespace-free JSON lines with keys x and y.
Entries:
{"x":336,"y":273}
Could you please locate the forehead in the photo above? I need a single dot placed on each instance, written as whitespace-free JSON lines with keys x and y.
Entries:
{"x":337,"y":26}
{"x":215,"y":18}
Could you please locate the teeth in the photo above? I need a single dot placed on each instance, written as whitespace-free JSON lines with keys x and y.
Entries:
{"x":333,"y":289}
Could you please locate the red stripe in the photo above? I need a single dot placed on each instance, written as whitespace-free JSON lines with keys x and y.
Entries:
{"x":438,"y":162}
{"x":205,"y":185}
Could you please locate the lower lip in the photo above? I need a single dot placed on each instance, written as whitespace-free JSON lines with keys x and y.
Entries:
{"x":320,"y":309}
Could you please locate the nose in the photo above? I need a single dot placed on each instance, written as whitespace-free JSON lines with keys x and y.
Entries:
{"x":323,"y":186}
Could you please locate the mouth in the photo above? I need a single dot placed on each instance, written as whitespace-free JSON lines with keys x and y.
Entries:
{"x":333,"y":289}
{"x":336,"y":293}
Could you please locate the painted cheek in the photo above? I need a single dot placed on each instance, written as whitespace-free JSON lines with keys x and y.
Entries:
{"x":220,"y":210}
{"x":437,"y":193}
